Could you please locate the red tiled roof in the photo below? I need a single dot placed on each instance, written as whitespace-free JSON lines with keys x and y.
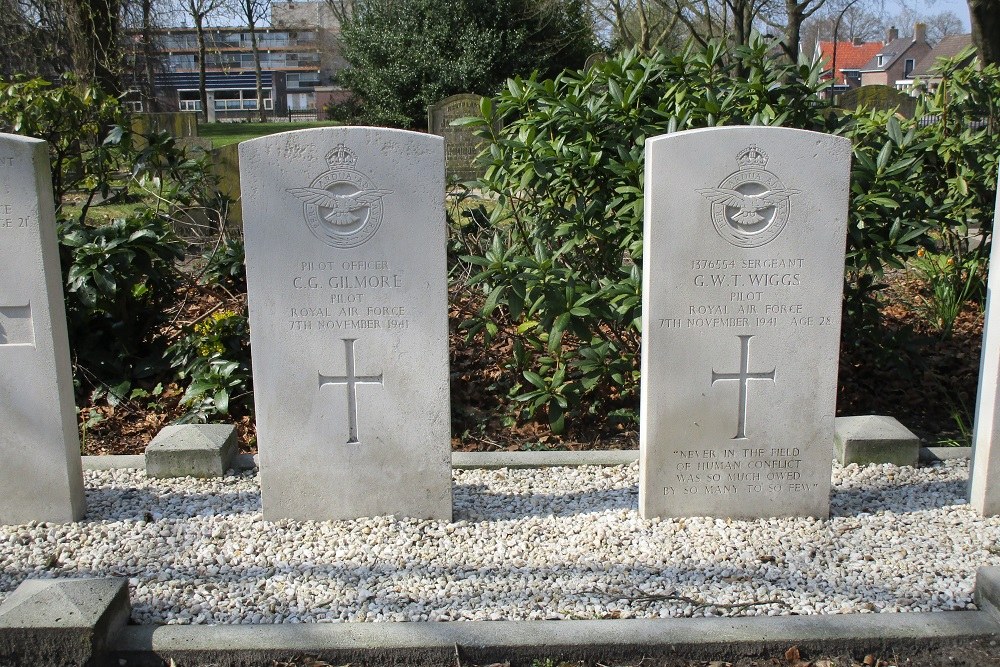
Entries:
{"x":849,"y":56}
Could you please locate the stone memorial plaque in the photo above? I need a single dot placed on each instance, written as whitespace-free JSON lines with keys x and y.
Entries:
{"x":347,"y":286}
{"x":41,"y":478}
{"x":984,"y":477}
{"x":461,"y":145}
{"x":743,"y":265}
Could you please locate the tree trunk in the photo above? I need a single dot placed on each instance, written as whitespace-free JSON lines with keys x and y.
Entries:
{"x":199,"y":21}
{"x":985,"y":19}
{"x":152,"y":102}
{"x":793,"y":31}
{"x":256,"y":68}
{"x":95,"y":45}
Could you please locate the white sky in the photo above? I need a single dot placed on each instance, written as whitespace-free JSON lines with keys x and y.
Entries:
{"x":959,"y":7}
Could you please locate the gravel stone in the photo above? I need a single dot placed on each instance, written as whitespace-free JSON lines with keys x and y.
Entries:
{"x":526,"y":544}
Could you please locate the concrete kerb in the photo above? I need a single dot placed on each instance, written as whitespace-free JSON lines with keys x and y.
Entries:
{"x":520,"y":642}
{"x":492,"y":460}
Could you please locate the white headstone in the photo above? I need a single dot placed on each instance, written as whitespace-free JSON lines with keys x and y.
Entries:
{"x":743,"y":265}
{"x":345,"y":246}
{"x":984,"y":478}
{"x":41,"y":478}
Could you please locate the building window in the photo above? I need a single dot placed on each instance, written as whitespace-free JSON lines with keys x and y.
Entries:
{"x":908,"y":68}
{"x":878,"y":60}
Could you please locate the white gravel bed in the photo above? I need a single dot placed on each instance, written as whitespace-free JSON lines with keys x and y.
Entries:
{"x":556,"y":543}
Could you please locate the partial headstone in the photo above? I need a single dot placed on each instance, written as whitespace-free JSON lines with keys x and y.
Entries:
{"x":595,"y":59}
{"x":743,"y":268}
{"x":984,"y":477}
{"x":461,"y":145}
{"x":345,"y":246}
{"x":62,"y":621}
{"x":41,"y":478}
{"x":192,"y":450}
{"x":866,"y":439}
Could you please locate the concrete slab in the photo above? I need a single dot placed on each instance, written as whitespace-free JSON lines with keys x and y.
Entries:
{"x":520,"y":642}
{"x":930,"y":454}
{"x":875,"y":439}
{"x":191,"y":450}
{"x":611,"y":457}
{"x":62,"y":621}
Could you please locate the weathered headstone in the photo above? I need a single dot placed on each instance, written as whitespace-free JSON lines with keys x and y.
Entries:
{"x":41,"y":478}
{"x":461,"y":145}
{"x":743,"y":265}
{"x":345,"y":247}
{"x":984,"y":478}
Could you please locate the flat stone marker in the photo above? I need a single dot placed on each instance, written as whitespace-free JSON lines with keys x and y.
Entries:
{"x":345,"y":247}
{"x":866,"y":439}
{"x":984,"y":477}
{"x":62,"y":621}
{"x":41,"y":478}
{"x":461,"y":145}
{"x":743,"y":268}
{"x":192,"y":450}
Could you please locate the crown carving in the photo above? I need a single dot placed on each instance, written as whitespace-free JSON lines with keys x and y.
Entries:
{"x":341,"y":157}
{"x":752,"y":157}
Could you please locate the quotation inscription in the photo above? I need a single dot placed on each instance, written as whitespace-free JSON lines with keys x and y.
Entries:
{"x":746,"y":293}
{"x":736,"y":471}
{"x":350,"y":296}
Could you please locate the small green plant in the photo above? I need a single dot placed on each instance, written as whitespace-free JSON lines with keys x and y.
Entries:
{"x":213,"y":357}
{"x":950,"y":285}
{"x":226,"y":265}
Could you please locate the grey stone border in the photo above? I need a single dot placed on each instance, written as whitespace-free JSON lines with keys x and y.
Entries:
{"x":485,"y":642}
{"x":470,"y":460}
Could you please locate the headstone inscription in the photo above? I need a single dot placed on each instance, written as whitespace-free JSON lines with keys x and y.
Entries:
{"x":347,"y":287}
{"x":743,"y":268}
{"x":41,"y":478}
{"x":984,"y":477}
{"x":461,"y":145}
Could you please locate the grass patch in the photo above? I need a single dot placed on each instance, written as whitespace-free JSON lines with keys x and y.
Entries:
{"x":223,"y":134}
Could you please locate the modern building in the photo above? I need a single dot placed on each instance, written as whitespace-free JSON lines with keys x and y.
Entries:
{"x":895,"y":63}
{"x":847,"y":58}
{"x":298,"y":52}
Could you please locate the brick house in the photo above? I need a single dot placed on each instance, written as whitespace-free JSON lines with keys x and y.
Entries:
{"x":897,"y":60}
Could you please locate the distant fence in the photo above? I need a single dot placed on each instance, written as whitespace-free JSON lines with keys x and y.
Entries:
{"x":934,"y":119}
{"x":241,"y":116}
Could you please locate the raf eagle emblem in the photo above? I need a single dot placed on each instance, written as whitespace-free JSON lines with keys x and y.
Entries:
{"x":751,"y":205}
{"x":339,"y":208}
{"x":342,"y":206}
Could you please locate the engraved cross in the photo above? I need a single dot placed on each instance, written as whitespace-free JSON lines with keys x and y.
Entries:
{"x":744,"y":376}
{"x":15,"y":325}
{"x":351,"y":380}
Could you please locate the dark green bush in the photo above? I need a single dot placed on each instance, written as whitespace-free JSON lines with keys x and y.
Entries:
{"x":559,"y":266}
{"x":561,"y":271}
{"x":75,"y":120}
{"x":119,"y":279}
